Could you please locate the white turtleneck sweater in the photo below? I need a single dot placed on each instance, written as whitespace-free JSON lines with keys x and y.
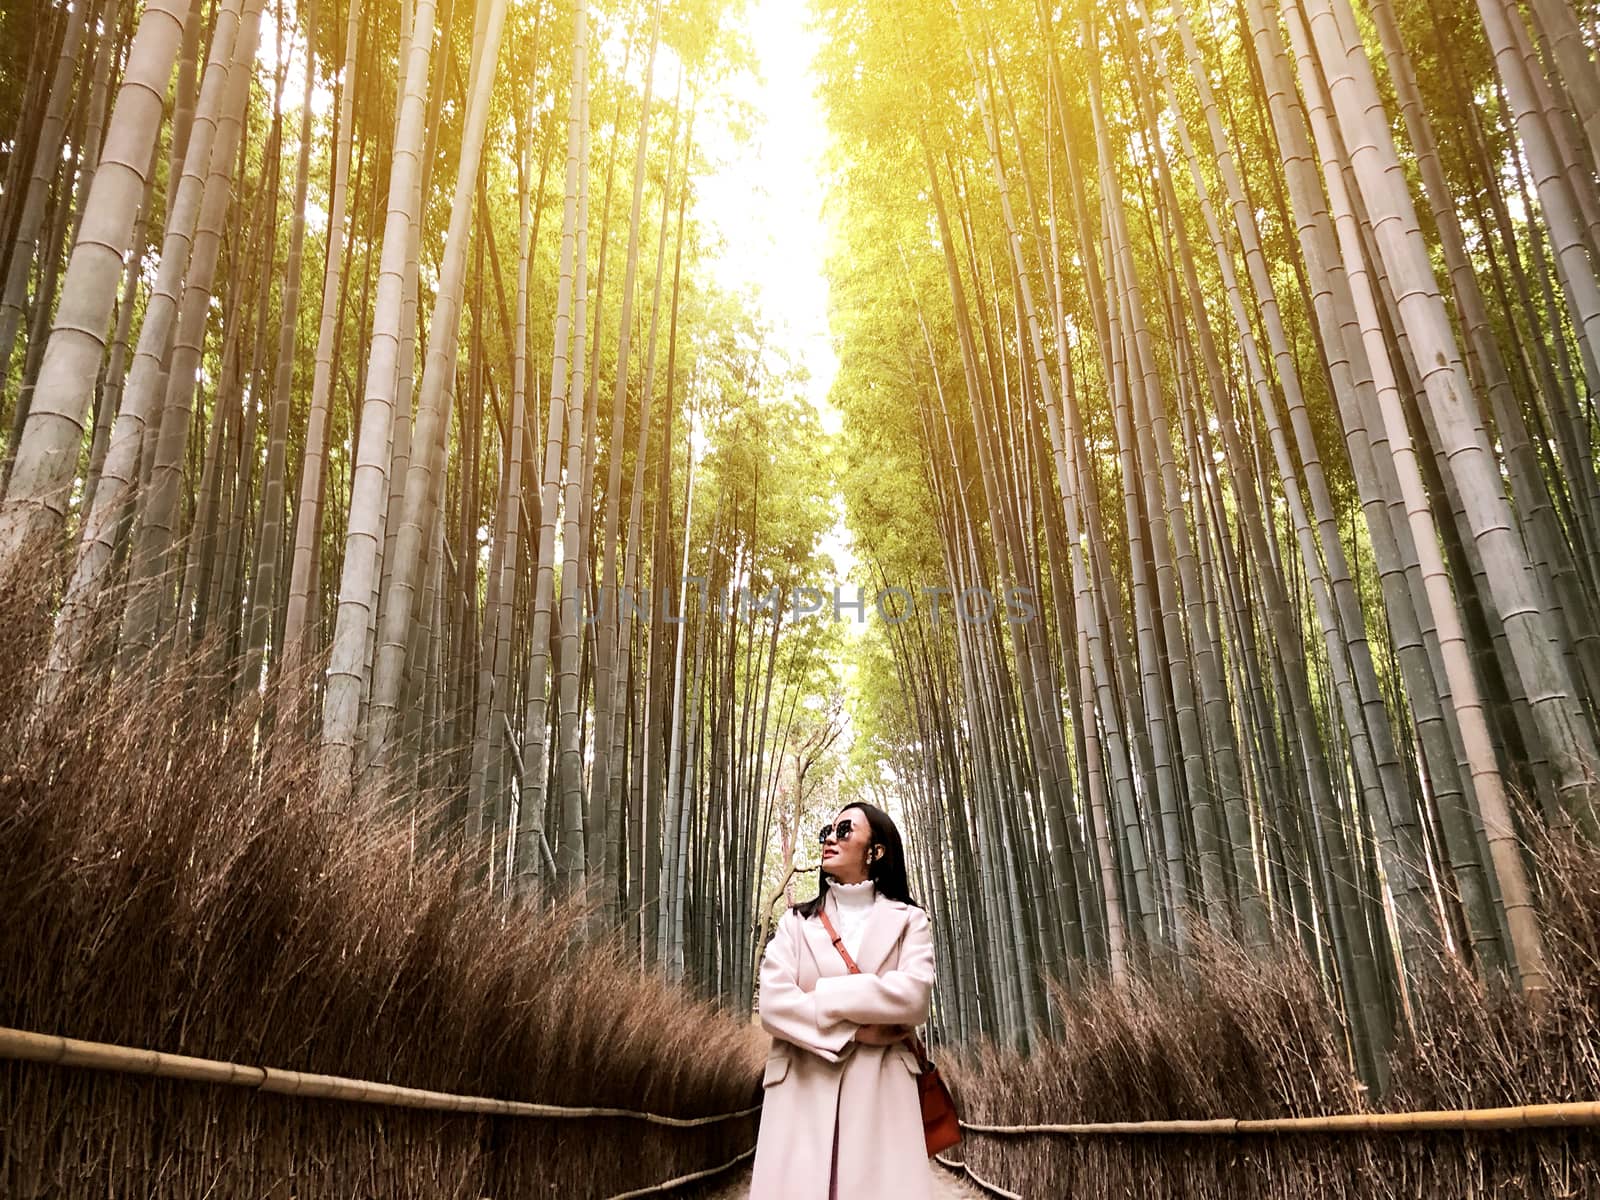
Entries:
{"x":852,"y":902}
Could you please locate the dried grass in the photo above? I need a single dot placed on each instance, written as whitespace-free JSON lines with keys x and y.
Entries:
{"x":164,"y":890}
{"x":1234,"y":1036}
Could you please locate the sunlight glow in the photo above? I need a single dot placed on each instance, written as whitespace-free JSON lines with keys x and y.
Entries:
{"x":766,"y":198}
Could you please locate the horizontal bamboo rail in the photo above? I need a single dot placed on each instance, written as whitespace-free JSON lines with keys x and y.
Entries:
{"x":1580,"y":1114}
{"x":69,"y":1052}
{"x":670,"y":1184}
{"x":961,"y":1168}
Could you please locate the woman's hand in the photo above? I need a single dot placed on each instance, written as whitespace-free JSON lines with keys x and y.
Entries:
{"x":882,"y":1035}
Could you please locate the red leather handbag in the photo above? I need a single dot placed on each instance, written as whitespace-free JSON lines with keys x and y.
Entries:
{"x":941,"y":1127}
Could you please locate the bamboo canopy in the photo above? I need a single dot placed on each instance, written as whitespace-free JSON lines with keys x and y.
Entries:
{"x":70,"y":1052}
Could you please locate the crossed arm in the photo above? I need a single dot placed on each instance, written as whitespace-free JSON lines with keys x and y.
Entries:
{"x":897,"y":997}
{"x":825,"y":1021}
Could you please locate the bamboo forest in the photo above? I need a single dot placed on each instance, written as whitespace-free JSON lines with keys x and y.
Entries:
{"x":485,"y":481}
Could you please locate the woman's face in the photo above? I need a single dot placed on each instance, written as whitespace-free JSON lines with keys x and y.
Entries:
{"x":846,"y":859}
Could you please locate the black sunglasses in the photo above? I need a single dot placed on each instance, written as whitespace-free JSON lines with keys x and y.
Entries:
{"x":840,"y":830}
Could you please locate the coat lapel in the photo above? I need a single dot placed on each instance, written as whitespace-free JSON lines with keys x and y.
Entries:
{"x":883,"y":927}
{"x":885,"y":923}
{"x":821,"y":946}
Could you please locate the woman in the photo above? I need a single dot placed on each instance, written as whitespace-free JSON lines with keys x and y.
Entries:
{"x":841,"y":1119}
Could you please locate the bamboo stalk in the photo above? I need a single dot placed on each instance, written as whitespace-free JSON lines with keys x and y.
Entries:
{"x":18,"y":1044}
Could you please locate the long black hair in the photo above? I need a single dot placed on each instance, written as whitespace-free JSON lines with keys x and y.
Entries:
{"x":887,"y":871}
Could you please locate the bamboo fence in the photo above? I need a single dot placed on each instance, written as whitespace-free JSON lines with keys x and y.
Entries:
{"x":1527,"y":1116}
{"x":70,"y":1052}
{"x":669,"y":1184}
{"x":22,"y":1045}
{"x":962,"y":1169}
{"x":52,"y":1049}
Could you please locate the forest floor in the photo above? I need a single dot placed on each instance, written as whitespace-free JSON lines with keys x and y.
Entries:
{"x":946,"y":1186}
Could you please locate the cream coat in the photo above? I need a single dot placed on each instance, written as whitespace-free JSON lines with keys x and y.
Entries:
{"x":812,"y":1006}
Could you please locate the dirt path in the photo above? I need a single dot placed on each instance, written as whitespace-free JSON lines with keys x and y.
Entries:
{"x":946,"y":1186}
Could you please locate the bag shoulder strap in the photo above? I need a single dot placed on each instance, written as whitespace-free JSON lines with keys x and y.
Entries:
{"x":838,"y":942}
